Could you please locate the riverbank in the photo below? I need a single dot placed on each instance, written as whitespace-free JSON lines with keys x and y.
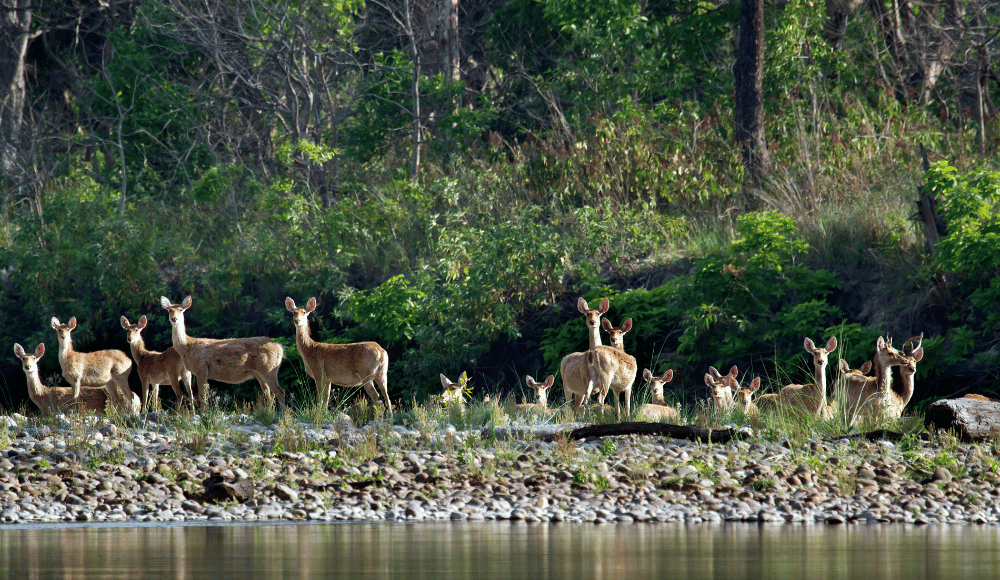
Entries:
{"x":232,"y":467}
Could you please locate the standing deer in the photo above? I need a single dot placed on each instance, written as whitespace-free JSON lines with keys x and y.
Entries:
{"x":103,"y":368}
{"x":573,"y":367}
{"x":156,"y":368}
{"x":870,"y":399}
{"x":227,"y":360}
{"x":541,"y":389}
{"x":811,"y":398}
{"x":611,"y":368}
{"x":897,"y":400}
{"x":344,"y":365}
{"x":58,"y":399}
{"x":658,"y":409}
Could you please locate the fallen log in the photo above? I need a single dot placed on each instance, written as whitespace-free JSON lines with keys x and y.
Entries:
{"x":970,"y":419}
{"x":688,"y":432}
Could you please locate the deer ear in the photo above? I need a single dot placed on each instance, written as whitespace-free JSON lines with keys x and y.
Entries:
{"x":866,"y":367}
{"x":529,"y":379}
{"x":708,"y":381}
{"x":843,"y":366}
{"x":627,"y":325}
{"x":124,"y":322}
{"x":808,"y":345}
{"x":755,"y":384}
{"x":606,"y":324}
{"x":668,"y":376}
{"x":714,"y":372}
{"x":72,"y":323}
{"x":55,"y":322}
{"x":311,"y":304}
{"x":831,"y":345}
{"x":550,"y":380}
{"x":289,"y":303}
{"x":918,"y":354}
{"x":164,"y":302}
{"x":39,"y":350}
{"x":733,"y":372}
{"x":604,"y":306}
{"x":581,"y":305}
{"x":143,"y":322}
{"x":18,"y":350}
{"x":186,"y":303}
{"x":445,"y":382}
{"x":646,"y":375}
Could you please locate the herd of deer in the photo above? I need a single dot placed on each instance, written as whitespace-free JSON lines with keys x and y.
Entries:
{"x":99,"y":380}
{"x":601,"y":369}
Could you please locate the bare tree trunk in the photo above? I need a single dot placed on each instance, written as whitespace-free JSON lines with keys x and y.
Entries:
{"x":15,"y":30}
{"x":748,"y":75}
{"x":454,"y":43}
{"x":415,"y":88}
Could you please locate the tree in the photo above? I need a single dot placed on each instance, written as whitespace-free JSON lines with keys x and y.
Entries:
{"x":748,"y":76}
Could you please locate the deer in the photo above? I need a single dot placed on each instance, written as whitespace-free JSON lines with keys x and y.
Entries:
{"x":541,"y":393}
{"x":454,"y":393}
{"x":227,"y":360}
{"x":54,"y":400}
{"x":103,"y":368}
{"x":610,"y":368}
{"x":744,"y":398}
{"x":156,"y":368}
{"x":721,"y":387}
{"x":573,"y":367}
{"x":658,"y":409}
{"x":810,"y":398}
{"x":870,"y":398}
{"x":344,"y":365}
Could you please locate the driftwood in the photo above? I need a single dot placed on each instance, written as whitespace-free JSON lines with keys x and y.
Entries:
{"x":971,"y":419}
{"x":880,"y":435}
{"x":691,"y":433}
{"x":217,"y":489}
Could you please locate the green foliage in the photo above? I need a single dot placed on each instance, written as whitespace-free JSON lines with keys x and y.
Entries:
{"x":971,"y":248}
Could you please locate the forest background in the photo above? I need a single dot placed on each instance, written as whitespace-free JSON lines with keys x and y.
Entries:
{"x":449,"y":176}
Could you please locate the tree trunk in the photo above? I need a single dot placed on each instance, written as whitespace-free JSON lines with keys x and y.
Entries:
{"x":748,"y":75}
{"x":415,"y":89}
{"x":971,"y":419}
{"x":15,"y":28}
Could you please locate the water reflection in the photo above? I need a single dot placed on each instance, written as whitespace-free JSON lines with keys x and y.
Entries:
{"x":500,"y":550}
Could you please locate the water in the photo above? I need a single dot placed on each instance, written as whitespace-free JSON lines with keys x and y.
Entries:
{"x":500,"y":550}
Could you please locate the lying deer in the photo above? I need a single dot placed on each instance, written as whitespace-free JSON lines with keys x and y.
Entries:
{"x":103,"y":368}
{"x":344,"y":365}
{"x":541,"y":393}
{"x":658,"y":409}
{"x":54,"y":400}
{"x":721,"y":387}
{"x":227,"y":360}
{"x":156,"y":368}
{"x":744,"y":398}
{"x":454,"y":393}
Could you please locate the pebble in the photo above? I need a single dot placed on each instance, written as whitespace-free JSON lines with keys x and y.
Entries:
{"x":147,"y":468}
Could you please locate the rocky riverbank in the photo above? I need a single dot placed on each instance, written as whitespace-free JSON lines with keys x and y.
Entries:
{"x":149,"y":468}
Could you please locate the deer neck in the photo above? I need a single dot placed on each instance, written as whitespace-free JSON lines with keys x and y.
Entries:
{"x":906,"y":386}
{"x":35,"y":386}
{"x":658,"y":399}
{"x":820,"y":380}
{"x":178,"y":334}
{"x":595,"y":336}
{"x":302,"y":338}
{"x":65,"y":348}
{"x":138,"y":348}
